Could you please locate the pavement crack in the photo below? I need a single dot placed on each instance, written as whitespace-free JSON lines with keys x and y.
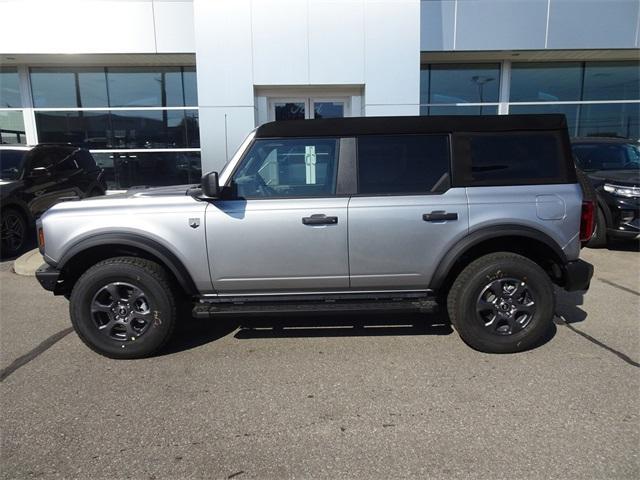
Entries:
{"x":621,"y":287}
{"x":597,"y":342}
{"x":32,"y":354}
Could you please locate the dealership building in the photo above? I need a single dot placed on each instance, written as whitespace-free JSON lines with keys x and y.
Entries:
{"x":160,"y":90}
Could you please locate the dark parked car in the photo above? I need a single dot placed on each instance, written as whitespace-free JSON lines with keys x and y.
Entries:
{"x":32,"y":179}
{"x":613,"y":166}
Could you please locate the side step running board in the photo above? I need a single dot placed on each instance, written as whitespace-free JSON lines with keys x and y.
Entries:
{"x":208,"y":310}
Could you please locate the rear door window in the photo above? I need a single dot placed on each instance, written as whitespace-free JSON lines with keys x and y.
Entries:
{"x":403,"y":164}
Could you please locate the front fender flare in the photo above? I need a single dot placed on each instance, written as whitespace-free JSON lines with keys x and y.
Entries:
{"x":152,"y":247}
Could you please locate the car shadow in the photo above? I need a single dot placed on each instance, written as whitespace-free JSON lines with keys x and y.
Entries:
{"x":624,"y":246}
{"x":568,"y":307}
{"x":191,"y":332}
{"x":353,"y":325}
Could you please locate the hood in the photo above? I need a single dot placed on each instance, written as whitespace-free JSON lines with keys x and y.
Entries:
{"x":141,"y":192}
{"x":619,"y":177}
{"x":8,"y":186}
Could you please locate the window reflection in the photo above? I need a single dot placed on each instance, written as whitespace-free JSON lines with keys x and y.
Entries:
{"x":453,"y":83}
{"x":9,"y":88}
{"x":126,"y":170}
{"x":121,"y":128}
{"x":546,"y":82}
{"x":609,"y":119}
{"x":12,"y":127}
{"x":114,"y":87}
{"x":612,"y":81}
{"x":290,"y":111}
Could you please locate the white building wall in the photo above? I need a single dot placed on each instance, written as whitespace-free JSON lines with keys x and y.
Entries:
{"x":96,"y":26}
{"x":244,"y":45}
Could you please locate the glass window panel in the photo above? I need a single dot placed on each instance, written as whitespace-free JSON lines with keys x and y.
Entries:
{"x":190,"y":87}
{"x":459,"y":110}
{"x":53,"y":88}
{"x":192,"y":128}
{"x":289,"y":110}
{"x":403,"y":164}
{"x":86,"y":129}
{"x":451,"y":83}
{"x":12,"y":128}
{"x":173,"y":88}
{"x":93,"y":88}
{"x":328,"y":109}
{"x":120,"y":128}
{"x":288,"y":168}
{"x":546,"y":82}
{"x":610,"y":119}
{"x":134,"y":87}
{"x":612,"y":81}
{"x":570,"y":111}
{"x":9,"y":88}
{"x":126,"y":170}
{"x":424,"y":85}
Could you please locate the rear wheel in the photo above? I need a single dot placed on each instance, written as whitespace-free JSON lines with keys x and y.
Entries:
{"x":502,"y":303}
{"x":14,"y":232}
{"x":123,"y":307}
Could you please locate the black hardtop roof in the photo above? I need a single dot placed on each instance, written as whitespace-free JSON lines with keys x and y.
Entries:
{"x":398,"y":125}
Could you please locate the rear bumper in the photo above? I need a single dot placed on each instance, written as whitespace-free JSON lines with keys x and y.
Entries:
{"x":577,"y":275}
{"x":49,"y":277}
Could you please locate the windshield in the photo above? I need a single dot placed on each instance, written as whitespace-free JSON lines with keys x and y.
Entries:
{"x":10,"y":164}
{"x":607,"y":156}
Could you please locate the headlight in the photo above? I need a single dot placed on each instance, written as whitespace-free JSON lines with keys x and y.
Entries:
{"x":621,"y":191}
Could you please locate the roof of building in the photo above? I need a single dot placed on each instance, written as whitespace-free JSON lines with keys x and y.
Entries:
{"x":397,"y":125}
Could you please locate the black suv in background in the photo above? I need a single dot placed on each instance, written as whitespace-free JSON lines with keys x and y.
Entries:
{"x":32,"y":179}
{"x":613,"y":166}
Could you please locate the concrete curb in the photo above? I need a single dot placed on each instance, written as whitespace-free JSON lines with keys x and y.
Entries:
{"x":28,"y":263}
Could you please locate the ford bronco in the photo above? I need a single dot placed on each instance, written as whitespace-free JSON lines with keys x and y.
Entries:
{"x":481,"y":214}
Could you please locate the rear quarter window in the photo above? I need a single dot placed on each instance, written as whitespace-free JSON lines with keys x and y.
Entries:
{"x":526,"y":158}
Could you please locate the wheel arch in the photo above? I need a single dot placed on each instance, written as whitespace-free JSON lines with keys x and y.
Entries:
{"x":523,"y":240}
{"x":92,"y":250}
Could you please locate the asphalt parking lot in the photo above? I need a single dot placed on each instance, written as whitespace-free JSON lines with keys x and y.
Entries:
{"x":327,"y":399}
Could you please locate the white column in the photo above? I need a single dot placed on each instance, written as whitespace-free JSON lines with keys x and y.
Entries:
{"x":27,"y":105}
{"x":505,"y":88}
{"x":225,"y":77}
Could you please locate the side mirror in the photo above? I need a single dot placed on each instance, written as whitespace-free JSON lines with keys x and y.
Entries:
{"x":210,"y":186}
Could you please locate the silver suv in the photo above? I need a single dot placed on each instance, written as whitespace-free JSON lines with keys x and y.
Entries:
{"x":482,"y":214}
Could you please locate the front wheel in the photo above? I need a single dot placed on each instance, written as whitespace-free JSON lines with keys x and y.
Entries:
{"x":123,"y":307}
{"x":502,"y":303}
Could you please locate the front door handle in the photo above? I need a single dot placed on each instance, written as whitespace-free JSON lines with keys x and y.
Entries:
{"x":319,"y":219}
{"x":439,"y":216}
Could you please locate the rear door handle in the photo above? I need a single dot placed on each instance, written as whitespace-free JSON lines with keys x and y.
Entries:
{"x":319,"y":219}
{"x":439,"y":216}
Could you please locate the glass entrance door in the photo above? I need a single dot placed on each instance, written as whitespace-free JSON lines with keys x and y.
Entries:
{"x":306,"y":108}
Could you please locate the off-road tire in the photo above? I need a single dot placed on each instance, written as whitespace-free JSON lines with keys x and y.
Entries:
{"x":599,"y":238}
{"x":466,"y":289}
{"x":144,"y":274}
